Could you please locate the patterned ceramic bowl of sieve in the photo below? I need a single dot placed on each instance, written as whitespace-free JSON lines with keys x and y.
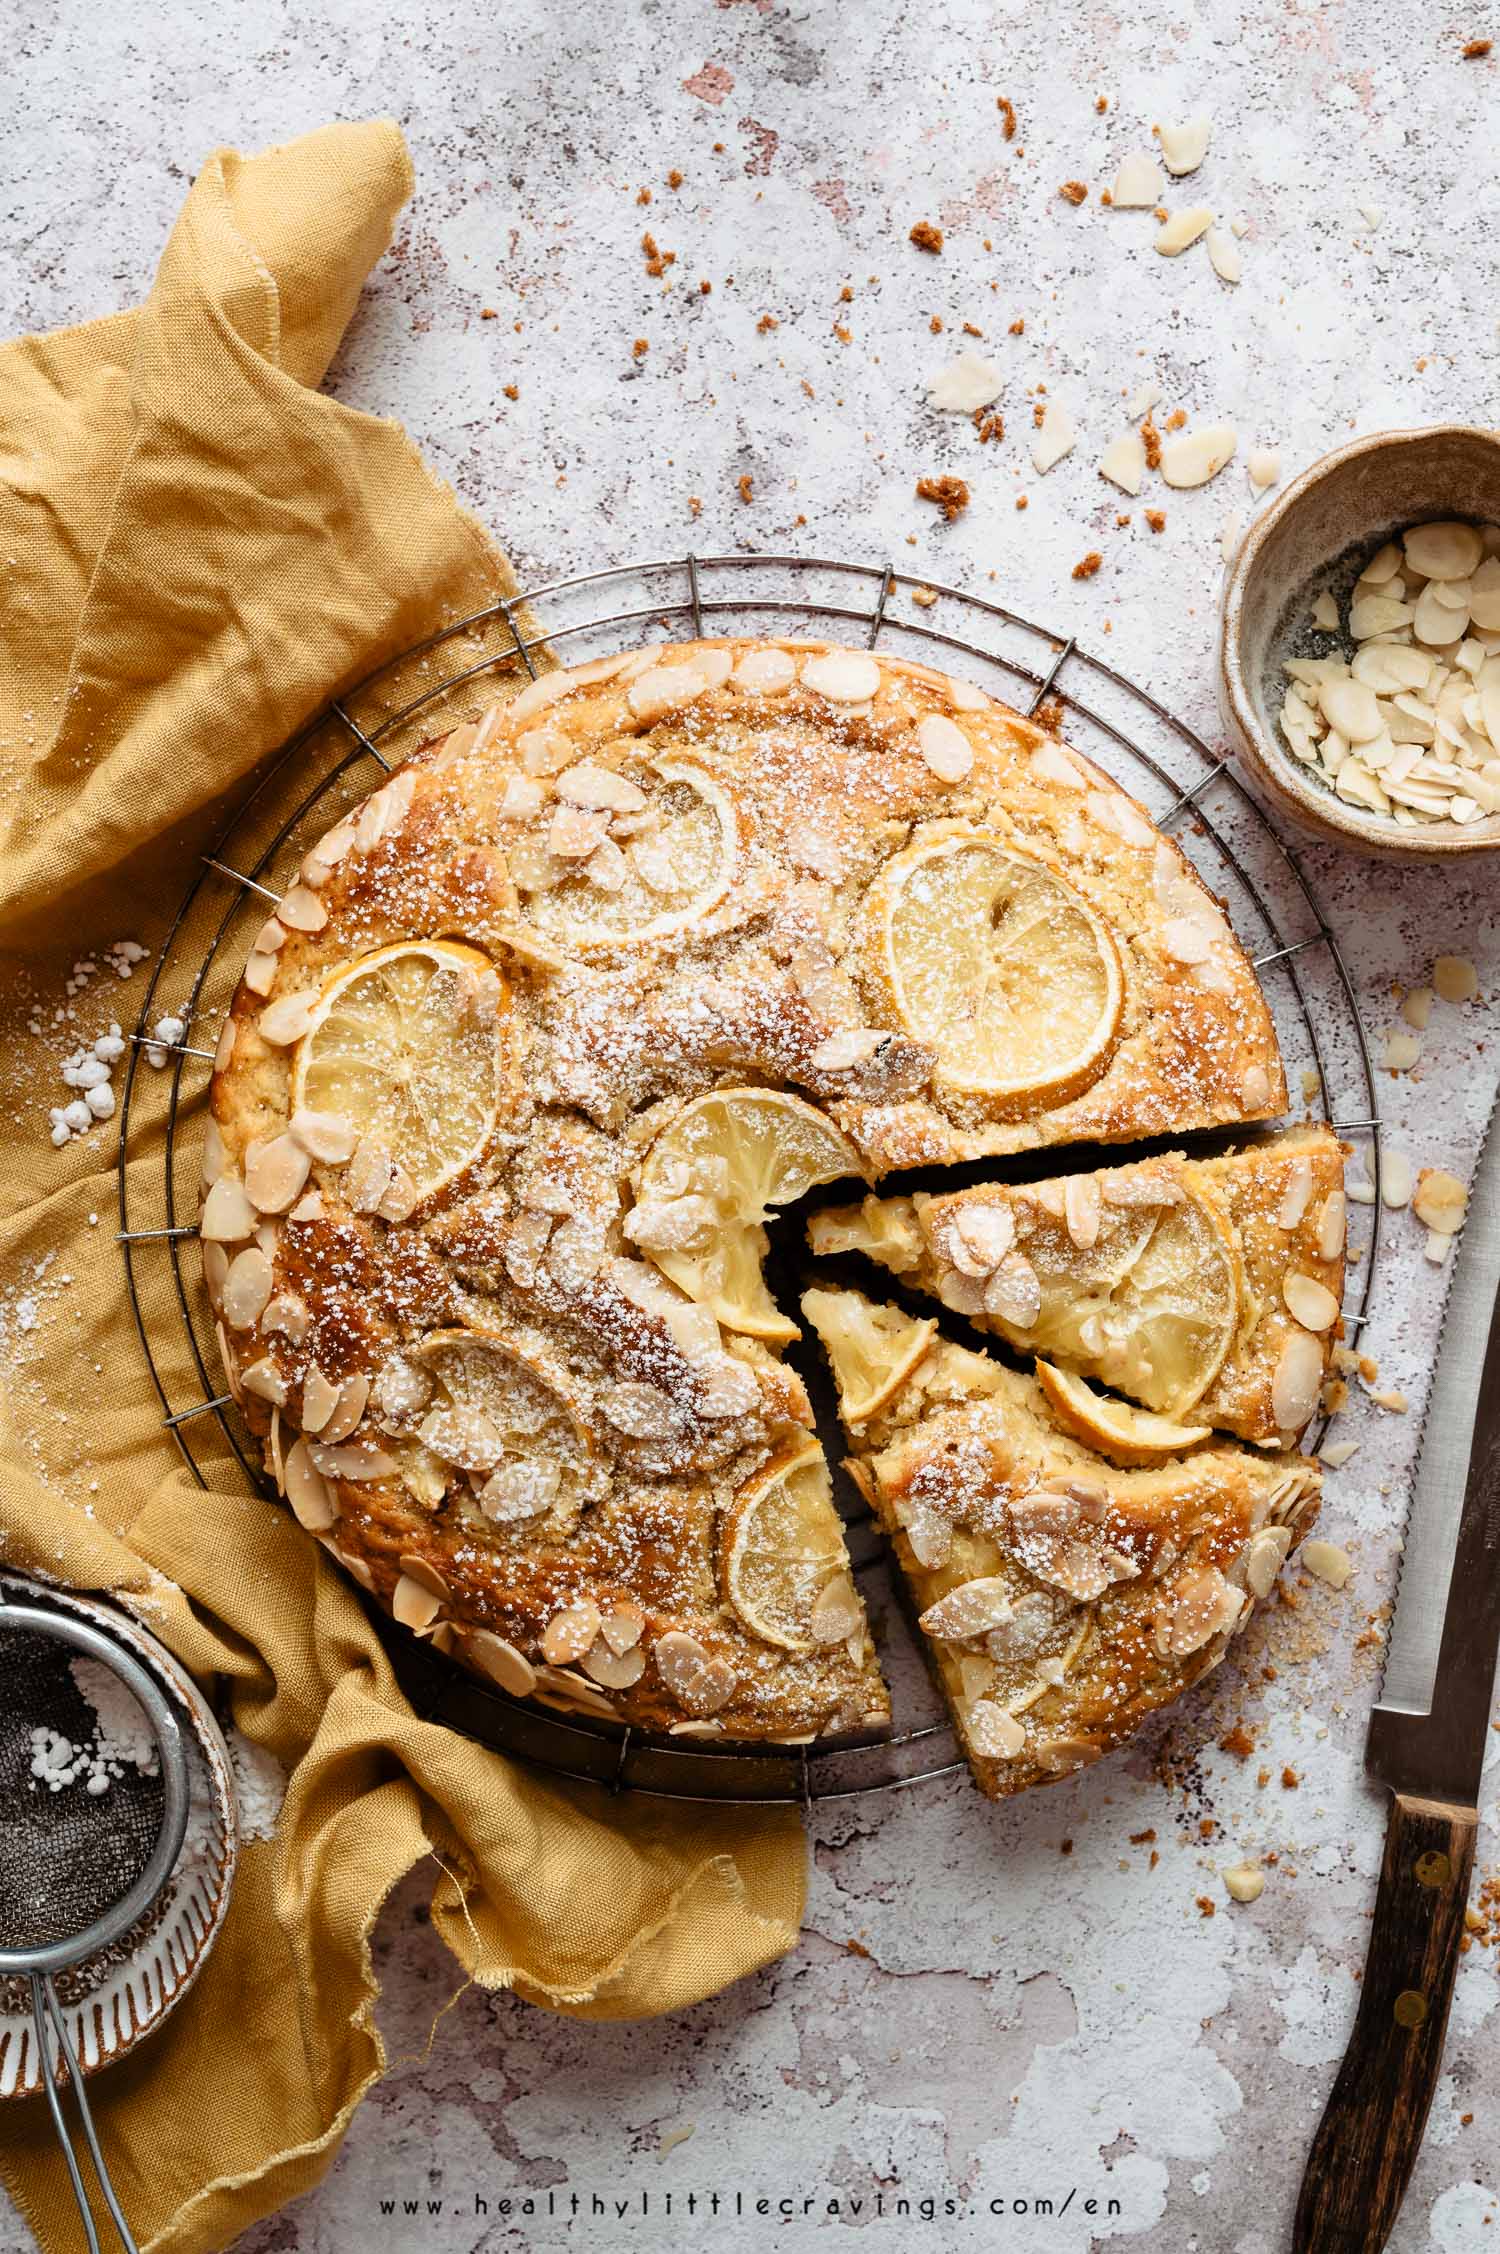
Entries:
{"x":112,"y":1999}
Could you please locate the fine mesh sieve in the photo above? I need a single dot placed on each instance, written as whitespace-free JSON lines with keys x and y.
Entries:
{"x":84,"y":1851}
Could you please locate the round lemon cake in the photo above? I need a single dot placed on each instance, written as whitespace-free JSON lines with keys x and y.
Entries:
{"x":536,"y":1041}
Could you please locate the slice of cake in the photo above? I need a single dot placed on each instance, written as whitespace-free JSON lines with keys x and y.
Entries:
{"x":1062,"y":1597}
{"x":1205,"y":1289}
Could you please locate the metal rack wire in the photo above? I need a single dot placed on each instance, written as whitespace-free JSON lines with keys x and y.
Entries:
{"x":326,"y":767}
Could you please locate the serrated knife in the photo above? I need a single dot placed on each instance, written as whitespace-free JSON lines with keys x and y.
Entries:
{"x":1427,"y":1742}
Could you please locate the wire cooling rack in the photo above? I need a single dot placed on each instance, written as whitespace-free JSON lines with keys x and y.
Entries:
{"x":337,"y":759}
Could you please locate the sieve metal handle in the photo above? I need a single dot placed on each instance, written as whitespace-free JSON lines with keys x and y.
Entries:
{"x":45,"y":2007}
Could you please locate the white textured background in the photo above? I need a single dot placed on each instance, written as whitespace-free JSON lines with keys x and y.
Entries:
{"x":1015,"y":2022}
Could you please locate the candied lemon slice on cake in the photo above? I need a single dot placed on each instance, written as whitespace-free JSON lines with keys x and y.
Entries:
{"x":708,"y":1183}
{"x":405,"y":1045}
{"x":495,"y":1416}
{"x":656,"y":855}
{"x":782,"y":1561}
{"x":873,"y":1349}
{"x":1130,"y":1435}
{"x":987,"y":955}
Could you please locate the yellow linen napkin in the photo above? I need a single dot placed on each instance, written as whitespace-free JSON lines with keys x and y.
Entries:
{"x":197,"y":550}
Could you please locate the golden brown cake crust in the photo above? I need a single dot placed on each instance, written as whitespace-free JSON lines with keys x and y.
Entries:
{"x":784,"y":776}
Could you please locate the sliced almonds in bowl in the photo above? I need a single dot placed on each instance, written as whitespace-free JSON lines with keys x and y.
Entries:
{"x":1410,"y":725}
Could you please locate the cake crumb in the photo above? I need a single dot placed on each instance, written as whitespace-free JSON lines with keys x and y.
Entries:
{"x":1086,"y":566}
{"x":950,"y":493}
{"x":927,"y":237}
{"x":1007,"y":110}
{"x":1073,"y":192}
{"x":1157,"y":519}
{"x":746,"y":486}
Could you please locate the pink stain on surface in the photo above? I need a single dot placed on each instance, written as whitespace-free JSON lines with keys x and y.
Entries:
{"x":766,"y":144}
{"x":710,"y":84}
{"x":833,"y":197}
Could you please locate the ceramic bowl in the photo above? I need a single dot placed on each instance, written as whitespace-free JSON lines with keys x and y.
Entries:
{"x":1319,"y":531}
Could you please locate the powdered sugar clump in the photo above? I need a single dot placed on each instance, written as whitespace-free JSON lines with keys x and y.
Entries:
{"x":121,"y":1737}
{"x":259,"y":1786}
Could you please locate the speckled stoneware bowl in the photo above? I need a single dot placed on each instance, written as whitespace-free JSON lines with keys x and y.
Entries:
{"x":1319,"y":532}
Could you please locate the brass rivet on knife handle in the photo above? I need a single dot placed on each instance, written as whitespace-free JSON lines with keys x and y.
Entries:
{"x":1410,"y":2008}
{"x":1433,"y":1870}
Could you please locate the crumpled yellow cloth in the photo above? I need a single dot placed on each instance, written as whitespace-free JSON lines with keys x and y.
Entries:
{"x":197,"y":550}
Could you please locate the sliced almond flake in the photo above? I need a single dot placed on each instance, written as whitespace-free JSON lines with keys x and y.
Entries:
{"x":1182,"y":229}
{"x":1142,"y":400}
{"x":1454,"y":978}
{"x":1401,"y":1050}
{"x":1436,"y":1247}
{"x":1224,"y":258}
{"x":1138,"y":185}
{"x":1183,"y":147}
{"x":1395,"y":1179}
{"x":1327,"y":1562}
{"x":1263,"y":468}
{"x":1441,"y":1200}
{"x":1123,"y":461}
{"x":1446,"y":548}
{"x":1337,"y":1453}
{"x":1198,"y":455}
{"x":944,"y":747}
{"x":1056,"y":436}
{"x":1325,"y":613}
{"x":966,"y":384}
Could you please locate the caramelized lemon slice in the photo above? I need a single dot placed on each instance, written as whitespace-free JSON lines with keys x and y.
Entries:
{"x":1130,"y":1435}
{"x":981,"y":951}
{"x":662,"y":861}
{"x":872,"y":1349}
{"x":709,"y":1182}
{"x":782,"y":1562}
{"x":405,"y":1045}
{"x":501,"y":1420}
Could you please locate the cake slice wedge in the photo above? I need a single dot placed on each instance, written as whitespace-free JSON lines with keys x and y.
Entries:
{"x":1062,"y":1598}
{"x":1206,"y":1290}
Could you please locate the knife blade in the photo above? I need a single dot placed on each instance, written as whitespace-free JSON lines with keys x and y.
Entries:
{"x":1427,"y":1740}
{"x":1429,"y":1728}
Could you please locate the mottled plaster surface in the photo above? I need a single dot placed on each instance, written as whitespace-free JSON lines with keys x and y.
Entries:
{"x":973,"y":2013}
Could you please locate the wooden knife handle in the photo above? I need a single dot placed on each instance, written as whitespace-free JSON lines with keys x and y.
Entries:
{"x":1367,"y":2141}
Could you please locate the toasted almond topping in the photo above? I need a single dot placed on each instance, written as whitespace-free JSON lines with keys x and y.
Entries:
{"x":1082,"y":1204}
{"x":666,"y":688}
{"x":271,"y":937}
{"x":323,"y":1135}
{"x":616,"y":1670}
{"x":320,"y":1397}
{"x":413,"y":1605}
{"x":969,"y":1609}
{"x":944,"y":748}
{"x":983,"y":1235}
{"x":697,"y":1681}
{"x":1202,"y":1604}
{"x":1310,"y":1303}
{"x":275,"y":1173}
{"x":576,"y":832}
{"x":1332,"y":1225}
{"x":994,"y":1732}
{"x":1014,"y":1292}
{"x":369,"y":1176}
{"x":228,"y":1216}
{"x":426,"y":1576}
{"x":283,"y":1022}
{"x":539,"y":694}
{"x":265,"y":1379}
{"x":259,"y":974}
{"x":837,"y":1613}
{"x":247,"y":1287}
{"x":1265,"y":1557}
{"x":302,"y":910}
{"x":354,"y":1395}
{"x":843,"y":676}
{"x":501,"y":1661}
{"x":764,"y":673}
{"x":1297,"y":1195}
{"x":1297,"y":1381}
{"x":843,"y":1052}
{"x":595,"y":787}
{"x":622,"y":1625}
{"x":307,"y":1490}
{"x":569,"y":1633}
